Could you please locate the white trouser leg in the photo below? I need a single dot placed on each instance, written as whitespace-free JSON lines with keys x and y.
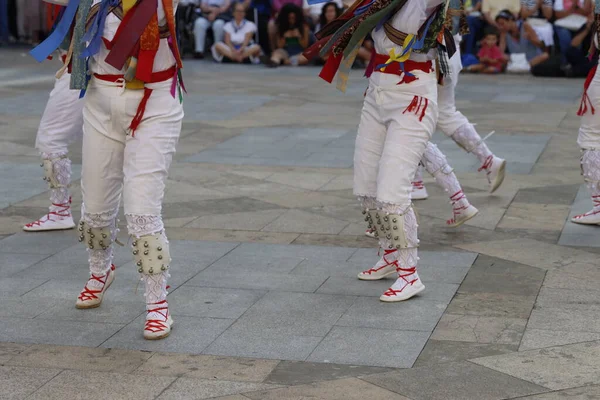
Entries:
{"x":392,"y":136}
{"x":102,"y":173}
{"x":452,"y":122}
{"x":61,"y":125}
{"x":437,"y":165}
{"x":201,"y":25}
{"x":218,"y":31}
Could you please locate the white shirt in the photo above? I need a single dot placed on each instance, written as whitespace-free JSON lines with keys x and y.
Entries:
{"x":237,"y":34}
{"x":315,"y":10}
{"x":164,"y":58}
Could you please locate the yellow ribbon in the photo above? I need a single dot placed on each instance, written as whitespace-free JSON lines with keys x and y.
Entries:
{"x":406,"y":52}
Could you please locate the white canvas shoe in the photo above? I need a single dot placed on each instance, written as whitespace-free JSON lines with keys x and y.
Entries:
{"x":158,"y":321}
{"x":495,"y":169}
{"x":419,"y":192}
{"x":385,"y":266}
{"x":53,"y":221}
{"x":591,"y":217}
{"x":370,"y":233}
{"x":92,"y":294}
{"x":408,"y":285}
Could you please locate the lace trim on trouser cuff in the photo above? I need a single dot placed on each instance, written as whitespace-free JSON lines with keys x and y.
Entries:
{"x":141,"y":225}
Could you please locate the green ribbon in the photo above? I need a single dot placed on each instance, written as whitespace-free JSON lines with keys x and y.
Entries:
{"x":78,"y":62}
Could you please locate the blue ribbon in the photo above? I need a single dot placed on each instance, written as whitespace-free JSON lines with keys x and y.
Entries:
{"x":311,"y":2}
{"x":52,"y":42}
{"x":364,"y":8}
{"x":94,"y":34}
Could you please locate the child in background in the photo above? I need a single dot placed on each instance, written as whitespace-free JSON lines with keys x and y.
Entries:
{"x":491,"y":58}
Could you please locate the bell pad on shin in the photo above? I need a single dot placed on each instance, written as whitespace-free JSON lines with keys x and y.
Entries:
{"x":94,"y":238}
{"x":376,"y":221}
{"x":50,"y":174}
{"x":151,"y":253}
{"x":396,"y":233}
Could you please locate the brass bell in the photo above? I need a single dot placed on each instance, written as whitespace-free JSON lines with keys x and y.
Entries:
{"x":146,"y":252}
{"x":103,"y":247}
{"x":92,"y":235}
{"x":134,"y":243}
{"x":366,"y":218}
{"x":395,"y":237}
{"x":81,"y":229}
{"x":139,"y":264}
{"x":104,"y":235}
{"x":395,"y":228}
{"x":364,"y":212}
{"x":81,"y":238}
{"x":141,"y":270}
{"x":160,"y":257}
{"x":92,"y":246}
{"x":135,"y":252}
{"x":398,"y":247}
{"x":386,"y":219}
{"x":150,"y":271}
{"x":389,"y":236}
{"x":89,"y":230}
{"x":145,"y":244}
{"x":163,"y":268}
{"x":159,"y":248}
{"x":101,"y":243}
{"x":394,"y":220}
{"x":90,"y":241}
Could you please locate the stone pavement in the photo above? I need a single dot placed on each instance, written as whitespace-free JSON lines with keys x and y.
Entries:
{"x":267,"y":240}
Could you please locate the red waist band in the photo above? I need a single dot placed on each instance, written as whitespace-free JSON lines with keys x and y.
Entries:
{"x":156,"y":77}
{"x":394,"y":67}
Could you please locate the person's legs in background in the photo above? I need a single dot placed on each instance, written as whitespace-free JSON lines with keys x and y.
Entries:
{"x":3,"y":21}
{"x":200,"y":27}
{"x":218,"y":32}
{"x":475,"y":27}
{"x":564,"y":42}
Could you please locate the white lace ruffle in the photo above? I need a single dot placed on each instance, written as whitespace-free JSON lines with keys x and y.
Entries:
{"x":142,"y":225}
{"x":155,"y":287}
{"x":101,"y":260}
{"x":367,"y":202}
{"x":467,"y":137}
{"x":408,"y":258}
{"x":61,"y":167}
{"x":590,"y":168}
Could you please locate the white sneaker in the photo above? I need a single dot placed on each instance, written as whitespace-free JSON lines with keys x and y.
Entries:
{"x":462,"y":210}
{"x":158,"y":321}
{"x":385,"y":266}
{"x":408,"y":285}
{"x":92,"y":298}
{"x":419,"y":192}
{"x":495,"y":169}
{"x":51,"y":222}
{"x":370,"y":233}
{"x":589,"y":218}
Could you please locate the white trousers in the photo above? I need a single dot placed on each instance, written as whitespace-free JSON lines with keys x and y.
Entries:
{"x":450,"y":119}
{"x":201,"y":25}
{"x":62,"y":121}
{"x":589,"y":130}
{"x":115,"y":162}
{"x":394,"y":129}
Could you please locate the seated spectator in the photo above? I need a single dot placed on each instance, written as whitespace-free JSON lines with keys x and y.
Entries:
{"x":538,"y":13}
{"x":491,"y":9}
{"x":238,"y":45}
{"x":578,"y":63}
{"x":214,"y":14}
{"x":272,"y":26}
{"x":314,"y":12}
{"x":292,"y":37}
{"x":491,"y":59}
{"x":260,"y":11}
{"x":520,"y":38}
{"x":329,"y":12}
{"x":476,"y":23}
{"x":570,"y":17}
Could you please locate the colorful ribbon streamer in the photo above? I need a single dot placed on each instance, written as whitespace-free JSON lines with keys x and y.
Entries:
{"x":52,"y":42}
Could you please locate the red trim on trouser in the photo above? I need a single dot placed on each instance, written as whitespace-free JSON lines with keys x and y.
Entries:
{"x":418,"y":104}
{"x":155,"y":78}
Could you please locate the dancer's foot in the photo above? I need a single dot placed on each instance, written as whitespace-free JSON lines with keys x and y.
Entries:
{"x":408,"y":285}
{"x":462,"y":210}
{"x":495,"y":169}
{"x":92,"y":294}
{"x":591,"y":217}
{"x":58,"y":219}
{"x":419,"y":192}
{"x":158,"y":321}
{"x":385,"y":266}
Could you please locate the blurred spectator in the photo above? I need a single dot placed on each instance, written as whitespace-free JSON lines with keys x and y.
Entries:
{"x":4,"y":22}
{"x":260,"y":12}
{"x":520,"y":38}
{"x":272,"y":27}
{"x":491,"y":9}
{"x":314,"y":12}
{"x":578,"y":62}
{"x":538,"y":13}
{"x":570,"y":17}
{"x":491,"y":59}
{"x":329,"y":12}
{"x":292,"y":37}
{"x":214,"y":14}
{"x":476,"y":22}
{"x":238,"y":45}
{"x":29,"y":20}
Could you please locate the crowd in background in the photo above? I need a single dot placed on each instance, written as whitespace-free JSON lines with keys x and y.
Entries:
{"x":545,"y":37}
